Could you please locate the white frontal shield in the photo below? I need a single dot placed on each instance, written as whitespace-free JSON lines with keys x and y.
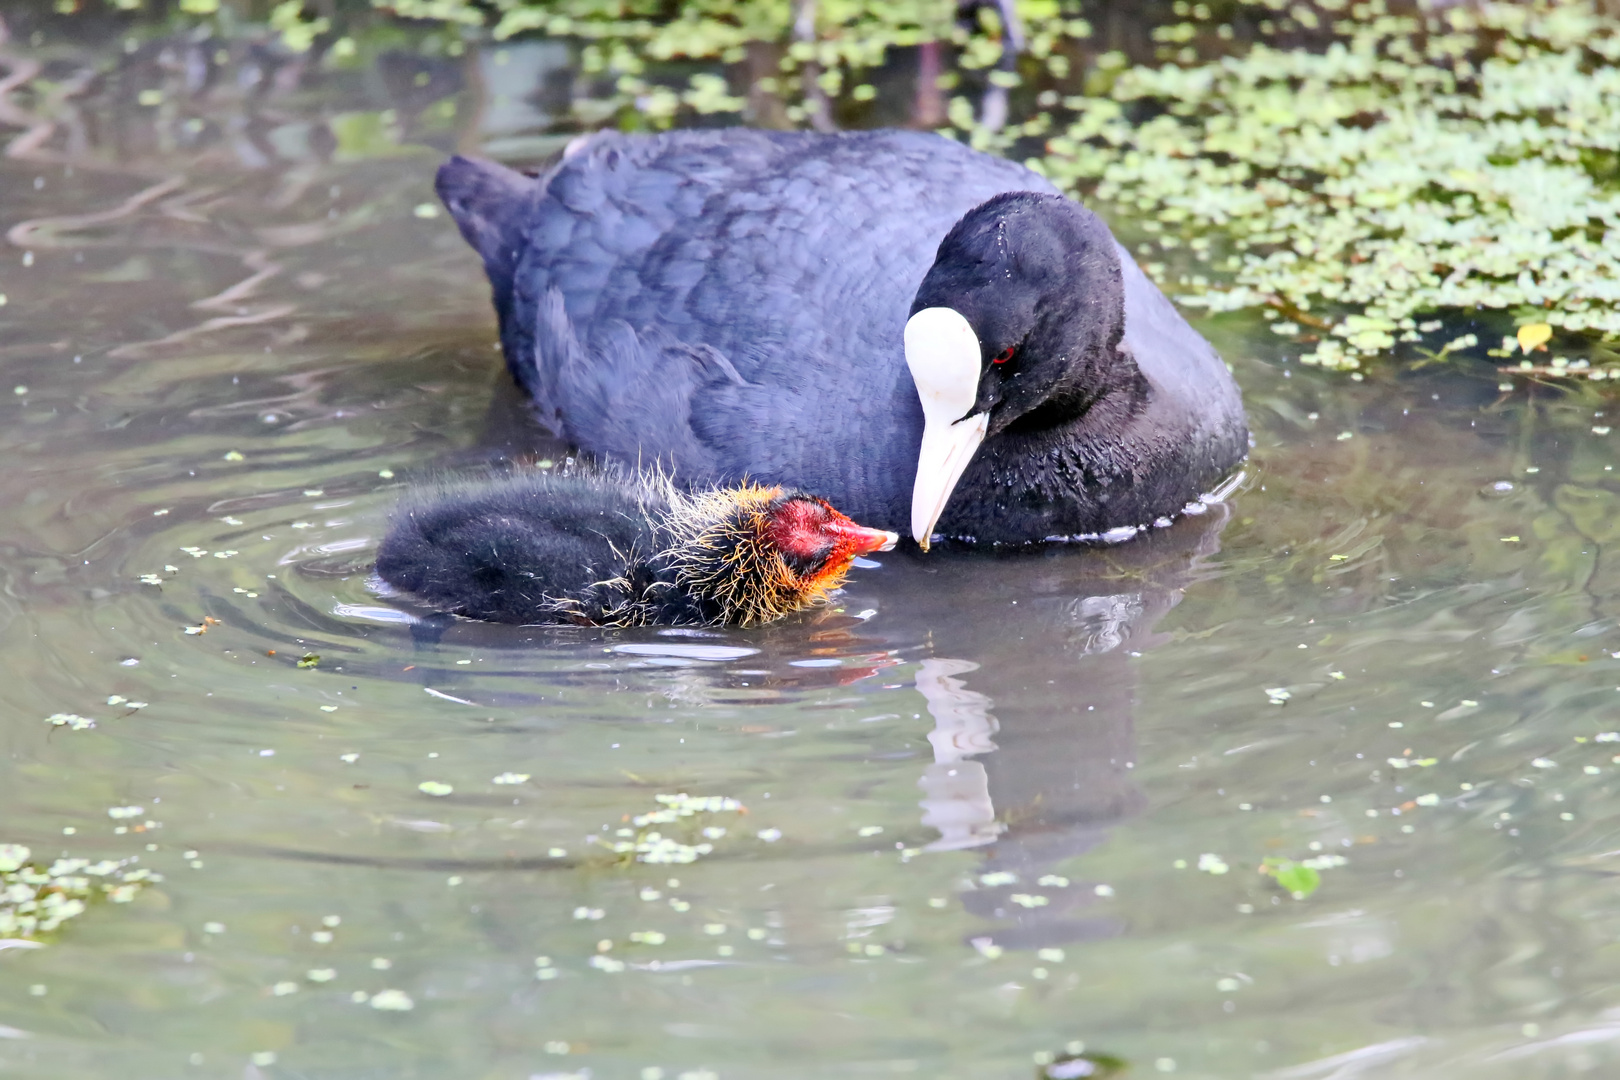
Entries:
{"x":943,"y":354}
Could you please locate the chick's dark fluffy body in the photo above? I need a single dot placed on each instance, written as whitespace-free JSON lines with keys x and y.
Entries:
{"x":593,"y":549}
{"x":531,"y":548}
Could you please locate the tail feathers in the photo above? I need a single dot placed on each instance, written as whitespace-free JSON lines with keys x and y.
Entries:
{"x":491,"y":204}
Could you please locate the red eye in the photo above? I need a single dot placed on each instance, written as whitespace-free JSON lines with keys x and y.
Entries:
{"x":1004,"y":355}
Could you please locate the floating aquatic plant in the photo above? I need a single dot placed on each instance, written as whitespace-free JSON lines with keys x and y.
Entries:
{"x":649,"y":845}
{"x":1078,"y":1062}
{"x":1466,"y":159}
{"x":392,"y":1001}
{"x":71,"y":721}
{"x":36,"y":899}
{"x":75,"y":722}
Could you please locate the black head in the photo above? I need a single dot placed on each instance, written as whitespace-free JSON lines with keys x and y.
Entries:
{"x":1037,"y":277}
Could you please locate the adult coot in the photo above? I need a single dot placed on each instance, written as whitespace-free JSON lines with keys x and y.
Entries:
{"x":605,"y":549}
{"x":747,"y":303}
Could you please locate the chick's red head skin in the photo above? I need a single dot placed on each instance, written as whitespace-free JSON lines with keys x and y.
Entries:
{"x":818,"y":542}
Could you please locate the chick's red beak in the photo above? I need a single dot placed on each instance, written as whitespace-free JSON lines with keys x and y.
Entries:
{"x":857,"y":539}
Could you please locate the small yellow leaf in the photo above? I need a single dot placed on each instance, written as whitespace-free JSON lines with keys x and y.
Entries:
{"x":1534,"y":335}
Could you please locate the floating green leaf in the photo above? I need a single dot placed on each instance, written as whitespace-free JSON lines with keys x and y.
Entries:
{"x":1301,"y":879}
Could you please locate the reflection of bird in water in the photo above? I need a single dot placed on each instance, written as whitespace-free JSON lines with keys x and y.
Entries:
{"x":600,"y":549}
{"x":956,"y":790}
{"x":1033,"y":704}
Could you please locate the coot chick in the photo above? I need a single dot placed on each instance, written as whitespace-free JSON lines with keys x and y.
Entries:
{"x":749,"y":303}
{"x":606,"y":549}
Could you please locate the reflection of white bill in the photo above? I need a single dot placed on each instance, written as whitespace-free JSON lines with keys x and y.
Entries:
{"x":962,"y":721}
{"x":956,"y":801}
{"x":956,"y":791}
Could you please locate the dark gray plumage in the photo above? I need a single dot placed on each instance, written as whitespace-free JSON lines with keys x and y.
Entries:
{"x":730,"y":304}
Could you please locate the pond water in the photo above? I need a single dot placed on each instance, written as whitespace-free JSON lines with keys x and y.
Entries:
{"x":996,"y":811}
